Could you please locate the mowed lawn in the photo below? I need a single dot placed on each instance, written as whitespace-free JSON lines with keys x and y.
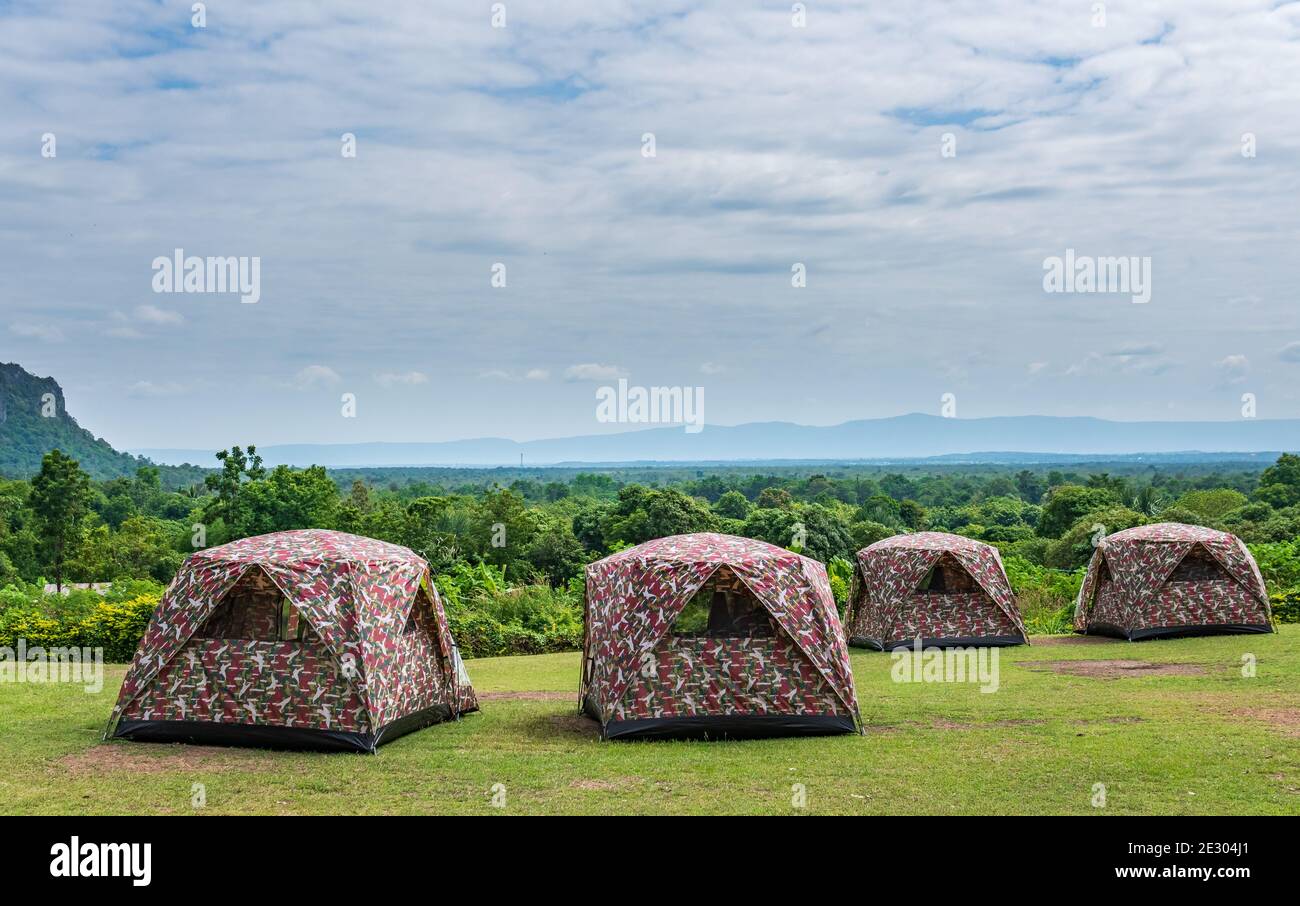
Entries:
{"x":1194,"y":736}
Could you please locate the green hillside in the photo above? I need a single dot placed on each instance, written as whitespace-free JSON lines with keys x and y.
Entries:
{"x":26,"y":434}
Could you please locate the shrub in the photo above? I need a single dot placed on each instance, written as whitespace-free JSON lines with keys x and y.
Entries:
{"x":17,"y":597}
{"x":1286,"y":607}
{"x":1279,"y":563}
{"x":1043,"y":616}
{"x":840,"y":572}
{"x":1033,"y":550}
{"x":35,"y":627}
{"x":116,"y":627}
{"x":487,"y":619}
{"x":1046,"y":596}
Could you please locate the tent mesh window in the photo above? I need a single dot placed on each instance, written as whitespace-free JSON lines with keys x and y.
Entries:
{"x":724,"y":607}
{"x":947,"y":577}
{"x":254,"y":610}
{"x":1198,"y":565}
{"x":1104,"y":579}
{"x":423,"y":620}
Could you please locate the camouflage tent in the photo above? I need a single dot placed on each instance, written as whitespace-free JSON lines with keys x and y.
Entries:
{"x":307,"y":639}
{"x":712,"y":635}
{"x":944,"y":589}
{"x":1171,"y":579}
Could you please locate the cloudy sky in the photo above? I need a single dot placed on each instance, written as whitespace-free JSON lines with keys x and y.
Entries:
{"x":774,"y":145}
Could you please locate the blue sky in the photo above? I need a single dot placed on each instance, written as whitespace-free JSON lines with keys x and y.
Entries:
{"x":522,"y":145}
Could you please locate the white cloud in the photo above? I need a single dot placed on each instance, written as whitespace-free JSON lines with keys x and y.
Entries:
{"x":1137,"y":349}
{"x":1290,"y":352}
{"x":1035,"y":367}
{"x":393,"y":378}
{"x":1234,"y":368}
{"x":152,"y":389}
{"x":594,"y":372}
{"x":31,"y":330}
{"x":152,"y":314}
{"x":501,"y":374}
{"x":712,"y":368}
{"x":315,"y":376}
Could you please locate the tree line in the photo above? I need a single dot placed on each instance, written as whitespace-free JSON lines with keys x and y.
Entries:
{"x":62,"y":526}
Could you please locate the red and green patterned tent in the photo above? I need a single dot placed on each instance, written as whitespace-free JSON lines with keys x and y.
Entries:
{"x":943,"y":589}
{"x":1171,"y":579}
{"x":306,"y":639}
{"x":712,"y":635}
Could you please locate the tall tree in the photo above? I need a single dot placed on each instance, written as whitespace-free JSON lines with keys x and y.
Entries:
{"x":60,"y":498}
{"x":236,"y":468}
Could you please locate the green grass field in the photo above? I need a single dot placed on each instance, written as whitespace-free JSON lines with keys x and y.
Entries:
{"x":1195,"y":737}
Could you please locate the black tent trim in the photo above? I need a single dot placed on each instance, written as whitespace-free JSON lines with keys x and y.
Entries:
{"x":276,"y":737}
{"x":739,"y":726}
{"x":1174,"y":632}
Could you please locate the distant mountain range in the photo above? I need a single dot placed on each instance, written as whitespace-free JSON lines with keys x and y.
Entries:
{"x":1002,"y":439}
{"x":33,"y":421}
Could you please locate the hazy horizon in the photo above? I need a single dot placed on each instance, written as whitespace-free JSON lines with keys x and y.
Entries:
{"x":637,"y":429}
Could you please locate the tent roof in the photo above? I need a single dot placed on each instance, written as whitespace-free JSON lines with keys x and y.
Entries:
{"x":928,"y":541}
{"x":310,"y":546}
{"x":1167,"y":532}
{"x":704,"y":547}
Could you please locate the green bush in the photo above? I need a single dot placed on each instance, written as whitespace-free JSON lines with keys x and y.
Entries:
{"x":116,"y":627}
{"x":1286,"y":607}
{"x":1043,"y":617}
{"x":488,"y":619}
{"x":840,"y":573}
{"x":1033,"y":550}
{"x":36,"y":628}
{"x":1279,"y":564}
{"x":1045,"y":596}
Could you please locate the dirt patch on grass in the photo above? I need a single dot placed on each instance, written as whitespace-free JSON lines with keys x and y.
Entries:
{"x":571,"y":725}
{"x":1114,"y":669}
{"x":1050,"y":640}
{"x":158,"y":758}
{"x":1287,"y":720}
{"x":526,"y":696}
{"x":605,"y":786}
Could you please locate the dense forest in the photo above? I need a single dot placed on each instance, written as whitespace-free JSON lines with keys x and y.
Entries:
{"x":509,"y":556}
